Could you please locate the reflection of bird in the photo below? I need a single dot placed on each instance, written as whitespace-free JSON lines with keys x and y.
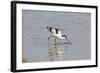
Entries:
{"x":56,"y":54}
{"x":57,"y":34}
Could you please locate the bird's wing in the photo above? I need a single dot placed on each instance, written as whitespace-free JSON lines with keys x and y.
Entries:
{"x":59,"y":33}
{"x":53,"y":30}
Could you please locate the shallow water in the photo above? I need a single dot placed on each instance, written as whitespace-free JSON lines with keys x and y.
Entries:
{"x":35,"y":35}
{"x":56,"y":50}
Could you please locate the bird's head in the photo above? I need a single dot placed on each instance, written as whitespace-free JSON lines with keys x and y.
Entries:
{"x":65,"y":37}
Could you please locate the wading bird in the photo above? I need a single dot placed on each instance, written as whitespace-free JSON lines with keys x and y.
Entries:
{"x":56,"y":33}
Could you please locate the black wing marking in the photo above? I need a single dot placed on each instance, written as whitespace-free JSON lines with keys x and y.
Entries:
{"x":50,"y":29}
{"x":56,"y":30}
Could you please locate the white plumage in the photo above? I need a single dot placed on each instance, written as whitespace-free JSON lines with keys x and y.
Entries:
{"x":55,"y":32}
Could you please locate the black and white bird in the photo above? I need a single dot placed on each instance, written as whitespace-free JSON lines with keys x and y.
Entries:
{"x":55,"y":32}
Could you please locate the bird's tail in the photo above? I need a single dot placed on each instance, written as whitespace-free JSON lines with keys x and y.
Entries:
{"x":48,"y":27}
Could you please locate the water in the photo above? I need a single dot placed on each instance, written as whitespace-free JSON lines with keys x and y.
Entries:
{"x":35,"y":35}
{"x":56,"y":50}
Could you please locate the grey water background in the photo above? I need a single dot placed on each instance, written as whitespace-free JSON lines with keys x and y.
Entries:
{"x":35,"y":34}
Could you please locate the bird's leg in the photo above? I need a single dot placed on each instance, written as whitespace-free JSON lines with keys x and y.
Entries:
{"x":48,"y":40}
{"x":55,"y":41}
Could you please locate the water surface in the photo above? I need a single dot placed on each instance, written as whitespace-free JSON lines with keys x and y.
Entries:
{"x":35,"y":35}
